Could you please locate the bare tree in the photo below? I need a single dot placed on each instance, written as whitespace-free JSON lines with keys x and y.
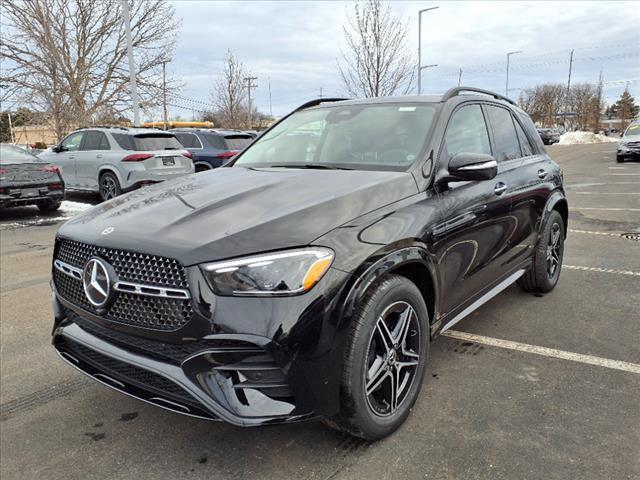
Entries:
{"x":543,"y":103}
{"x":377,"y":62}
{"x":69,"y":57}
{"x":229,"y":95}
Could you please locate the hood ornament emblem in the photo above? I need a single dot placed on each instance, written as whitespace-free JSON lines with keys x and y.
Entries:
{"x":107,"y":230}
{"x":96,"y":282}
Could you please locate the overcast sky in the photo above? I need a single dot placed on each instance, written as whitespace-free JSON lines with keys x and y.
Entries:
{"x":296,"y":45}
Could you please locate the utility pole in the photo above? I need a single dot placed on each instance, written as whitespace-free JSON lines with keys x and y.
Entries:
{"x":250,"y":85}
{"x":270,"y":105}
{"x":164,"y":93}
{"x":460,"y":77}
{"x":566,"y":106}
{"x":132,"y":65}
{"x":420,"y":12}
{"x":13,"y":139}
{"x":506,"y":89}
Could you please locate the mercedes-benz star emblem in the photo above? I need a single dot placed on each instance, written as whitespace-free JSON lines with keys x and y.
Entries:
{"x":96,"y":282}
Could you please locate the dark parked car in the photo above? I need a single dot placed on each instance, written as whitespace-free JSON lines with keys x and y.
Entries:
{"x":307,"y":279}
{"x":212,"y":148}
{"x":549,"y":136}
{"x":27,"y":180}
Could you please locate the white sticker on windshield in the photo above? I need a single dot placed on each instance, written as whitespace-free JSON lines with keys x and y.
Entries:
{"x":406,"y":109}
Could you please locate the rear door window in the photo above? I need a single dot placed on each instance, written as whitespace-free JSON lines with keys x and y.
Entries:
{"x":94,"y":140}
{"x":467,"y":132}
{"x":504,"y":132}
{"x":188,"y":140}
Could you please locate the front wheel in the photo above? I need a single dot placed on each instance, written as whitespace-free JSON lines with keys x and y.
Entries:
{"x":109,"y":186}
{"x":385,"y":359}
{"x":619,"y":158}
{"x":546,"y":265}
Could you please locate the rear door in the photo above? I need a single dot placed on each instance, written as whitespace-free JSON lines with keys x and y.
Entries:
{"x":476,"y":216}
{"x":531,"y":181}
{"x":95,"y":146}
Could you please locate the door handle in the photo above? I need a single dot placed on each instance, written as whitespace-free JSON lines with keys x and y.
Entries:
{"x":72,"y":157}
{"x":500,"y":188}
{"x":99,"y":155}
{"x":542,"y":173}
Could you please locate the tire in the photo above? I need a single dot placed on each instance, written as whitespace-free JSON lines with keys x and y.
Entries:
{"x":109,"y":186}
{"x":543,"y":276}
{"x":619,"y":158}
{"x":202,"y":168}
{"x":389,"y":301}
{"x":49,"y":206}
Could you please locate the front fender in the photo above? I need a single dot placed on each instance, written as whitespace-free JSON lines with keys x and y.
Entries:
{"x":377,"y":266}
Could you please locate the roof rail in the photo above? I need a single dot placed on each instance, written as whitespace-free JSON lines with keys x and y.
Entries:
{"x":319,"y":101}
{"x":103,"y":126}
{"x":455,"y":91}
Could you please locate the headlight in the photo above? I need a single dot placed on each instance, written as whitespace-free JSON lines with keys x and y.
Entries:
{"x":290,"y":272}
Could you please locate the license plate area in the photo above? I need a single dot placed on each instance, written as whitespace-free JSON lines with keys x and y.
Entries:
{"x":30,"y":192}
{"x":168,"y":161}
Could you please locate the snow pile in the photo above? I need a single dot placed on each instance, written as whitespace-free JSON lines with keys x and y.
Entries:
{"x":576,"y":138}
{"x":74,"y":208}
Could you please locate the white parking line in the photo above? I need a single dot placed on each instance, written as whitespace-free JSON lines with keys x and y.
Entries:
{"x":606,"y":193}
{"x":601,"y":270}
{"x":544,"y":351}
{"x":620,"y":174}
{"x":590,"y":232}
{"x":614,"y":209}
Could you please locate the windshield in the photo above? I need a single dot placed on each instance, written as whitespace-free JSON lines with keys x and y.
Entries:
{"x":10,"y":155}
{"x":148,"y":142}
{"x":366,"y":137}
{"x":633,"y":130}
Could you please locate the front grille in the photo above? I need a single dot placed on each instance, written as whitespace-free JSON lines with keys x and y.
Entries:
{"x":128,"y":308}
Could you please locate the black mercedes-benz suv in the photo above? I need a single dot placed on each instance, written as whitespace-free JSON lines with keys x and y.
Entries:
{"x":307,"y":278}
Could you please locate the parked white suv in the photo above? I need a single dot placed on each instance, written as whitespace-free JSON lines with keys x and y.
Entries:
{"x":113,"y":160}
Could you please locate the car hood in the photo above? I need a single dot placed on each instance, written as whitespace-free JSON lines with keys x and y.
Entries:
{"x":229,"y":212}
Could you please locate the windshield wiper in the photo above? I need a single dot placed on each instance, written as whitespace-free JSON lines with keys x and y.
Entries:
{"x":319,"y":166}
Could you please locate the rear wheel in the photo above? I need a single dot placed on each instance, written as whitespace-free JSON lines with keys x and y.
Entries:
{"x":545,"y":269}
{"x":202,"y":168}
{"x":109,"y":186}
{"x":619,"y":158}
{"x":385,"y":359}
{"x":49,"y":205}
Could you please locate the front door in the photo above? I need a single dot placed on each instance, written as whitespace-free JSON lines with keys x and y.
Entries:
{"x":473,"y":238}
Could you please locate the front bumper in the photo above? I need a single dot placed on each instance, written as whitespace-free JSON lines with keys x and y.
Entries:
{"x":245,"y":376}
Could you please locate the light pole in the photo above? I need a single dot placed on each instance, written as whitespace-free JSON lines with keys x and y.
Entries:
{"x":132,"y":65}
{"x":427,"y":66}
{"x":506,"y":89}
{"x":420,"y":12}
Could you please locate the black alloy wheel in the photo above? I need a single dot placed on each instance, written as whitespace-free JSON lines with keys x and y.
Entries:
{"x":392,"y":358}
{"x":109,"y":186}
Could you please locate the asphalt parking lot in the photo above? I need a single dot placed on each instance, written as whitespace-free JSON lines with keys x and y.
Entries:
{"x":493,"y":405}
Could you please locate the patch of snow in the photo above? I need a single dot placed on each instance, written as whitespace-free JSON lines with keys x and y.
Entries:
{"x":74,"y":207}
{"x":580,"y":138}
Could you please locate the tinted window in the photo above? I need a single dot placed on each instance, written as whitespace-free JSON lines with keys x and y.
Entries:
{"x":216,"y":141}
{"x":467,"y":132}
{"x":95,"y":141}
{"x":146,"y":142}
{"x":10,"y":154}
{"x":189,"y":140}
{"x":506,"y":139}
{"x":237,"y":142}
{"x":72,"y":142}
{"x":365,"y":137}
{"x":525,"y":145}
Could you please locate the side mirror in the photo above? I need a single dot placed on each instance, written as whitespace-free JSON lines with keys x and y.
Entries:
{"x":473,"y":166}
{"x":58,"y":149}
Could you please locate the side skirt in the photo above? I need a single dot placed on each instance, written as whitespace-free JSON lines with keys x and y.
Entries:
{"x":479,"y":302}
